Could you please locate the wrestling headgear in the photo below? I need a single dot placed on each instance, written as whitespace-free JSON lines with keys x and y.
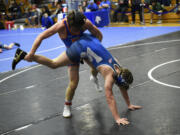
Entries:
{"x":124,"y":79}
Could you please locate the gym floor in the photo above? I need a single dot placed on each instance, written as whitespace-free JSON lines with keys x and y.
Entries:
{"x":32,"y":97}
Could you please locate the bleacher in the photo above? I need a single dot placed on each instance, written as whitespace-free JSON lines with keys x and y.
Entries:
{"x":171,"y":17}
{"x":24,"y":5}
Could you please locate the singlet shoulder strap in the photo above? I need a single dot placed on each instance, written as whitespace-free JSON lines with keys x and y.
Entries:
{"x":68,"y":32}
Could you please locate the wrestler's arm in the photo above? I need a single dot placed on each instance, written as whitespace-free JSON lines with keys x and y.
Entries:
{"x":58,"y":27}
{"x":93,"y":29}
{"x":127,"y":100}
{"x":110,"y":97}
{"x":111,"y":101}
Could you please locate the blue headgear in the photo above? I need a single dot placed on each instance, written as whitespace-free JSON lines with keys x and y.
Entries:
{"x":120,"y":81}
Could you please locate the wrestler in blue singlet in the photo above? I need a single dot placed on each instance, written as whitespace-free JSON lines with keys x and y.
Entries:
{"x":1,"y":46}
{"x":90,"y":47}
{"x":70,"y":38}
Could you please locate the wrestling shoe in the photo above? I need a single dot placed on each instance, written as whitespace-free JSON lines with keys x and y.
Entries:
{"x":17,"y":44}
{"x":96,"y":82}
{"x":19,"y":55}
{"x":67,"y":110}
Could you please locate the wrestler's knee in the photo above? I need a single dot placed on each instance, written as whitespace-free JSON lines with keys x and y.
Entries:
{"x":54,"y":65}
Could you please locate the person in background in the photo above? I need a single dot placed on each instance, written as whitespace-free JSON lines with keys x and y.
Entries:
{"x":92,"y":6}
{"x":46,"y":21}
{"x":8,"y":47}
{"x":147,"y":3}
{"x":122,"y":7}
{"x":2,"y":7}
{"x":105,"y":5}
{"x":58,"y":10}
{"x":34,"y":15}
{"x":83,"y":5}
{"x":14,"y":10}
{"x":45,"y":9}
{"x":98,"y":2}
{"x":56,"y":2}
{"x":136,"y":6}
{"x":156,"y":9}
{"x":178,"y":10}
{"x":73,"y":5}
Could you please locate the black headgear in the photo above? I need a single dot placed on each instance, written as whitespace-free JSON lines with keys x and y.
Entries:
{"x":79,"y":18}
{"x":76,"y":19}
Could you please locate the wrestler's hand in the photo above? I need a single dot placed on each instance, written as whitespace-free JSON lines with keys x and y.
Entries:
{"x":29,"y":57}
{"x":134,"y":107}
{"x":122,"y":121}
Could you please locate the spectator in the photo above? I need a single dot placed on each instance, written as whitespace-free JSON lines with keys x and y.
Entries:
{"x":7,"y":47}
{"x":92,"y":6}
{"x":158,"y":9}
{"x":73,"y":5}
{"x":166,"y":2}
{"x":97,"y":2}
{"x":2,"y":25}
{"x":45,"y":9}
{"x":56,"y":2}
{"x":14,"y":10}
{"x":58,"y":10}
{"x":147,"y":3}
{"x":34,"y":15}
{"x":177,"y":2}
{"x":136,"y":6}
{"x":38,"y":13}
{"x":46,"y":21}
{"x":105,"y":5}
{"x":84,"y":5}
{"x":122,"y":7}
{"x":2,"y":7}
{"x":178,"y":10}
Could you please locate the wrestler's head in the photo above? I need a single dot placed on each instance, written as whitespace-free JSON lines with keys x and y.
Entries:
{"x":123,"y":77}
{"x":76,"y":19}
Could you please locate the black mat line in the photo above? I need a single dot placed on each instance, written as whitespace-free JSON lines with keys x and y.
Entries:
{"x":40,"y":107}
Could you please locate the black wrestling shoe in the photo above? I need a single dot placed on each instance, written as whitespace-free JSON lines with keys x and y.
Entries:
{"x":19,"y":55}
{"x":17,"y":44}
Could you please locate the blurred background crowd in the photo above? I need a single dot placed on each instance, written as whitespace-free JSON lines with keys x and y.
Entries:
{"x":44,"y":13}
